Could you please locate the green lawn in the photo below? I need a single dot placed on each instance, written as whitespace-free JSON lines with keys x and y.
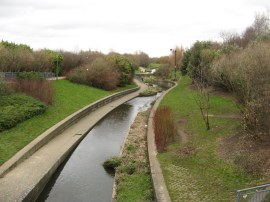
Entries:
{"x":193,"y":171}
{"x":69,"y":98}
{"x":135,"y":187}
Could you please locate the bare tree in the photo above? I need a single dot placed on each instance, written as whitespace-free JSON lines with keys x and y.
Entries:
{"x":262,"y":24}
{"x":202,"y":99}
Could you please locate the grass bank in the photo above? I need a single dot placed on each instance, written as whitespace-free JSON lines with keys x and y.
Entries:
{"x":69,"y":98}
{"x":192,"y":169}
{"x":133,"y":179}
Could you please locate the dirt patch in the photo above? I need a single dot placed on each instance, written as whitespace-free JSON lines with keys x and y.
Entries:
{"x":181,"y":122}
{"x":186,"y":151}
{"x":213,"y":90}
{"x":220,"y":92}
{"x":248,"y":154}
{"x":181,"y":134}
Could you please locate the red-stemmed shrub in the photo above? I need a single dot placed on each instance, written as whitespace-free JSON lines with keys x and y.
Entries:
{"x":164,"y":127}
{"x":37,"y":88}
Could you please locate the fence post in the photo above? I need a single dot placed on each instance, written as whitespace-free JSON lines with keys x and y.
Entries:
{"x":238,"y":196}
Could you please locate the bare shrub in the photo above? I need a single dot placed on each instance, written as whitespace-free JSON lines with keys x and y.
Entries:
{"x":252,"y":163}
{"x":102,"y":74}
{"x":257,"y":111}
{"x":163,"y":71}
{"x":77,"y":75}
{"x":257,"y":118}
{"x":164,"y":128}
{"x":247,"y":74}
{"x":228,"y":73}
{"x":70,"y":61}
{"x":39,"y":89}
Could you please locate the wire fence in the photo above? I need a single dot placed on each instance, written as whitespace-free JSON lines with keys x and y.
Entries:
{"x":254,"y":194}
{"x":12,"y":75}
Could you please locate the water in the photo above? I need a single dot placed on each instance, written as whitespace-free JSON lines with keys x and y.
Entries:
{"x":82,"y":177}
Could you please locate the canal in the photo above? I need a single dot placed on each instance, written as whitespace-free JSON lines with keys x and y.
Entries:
{"x":82,"y":177}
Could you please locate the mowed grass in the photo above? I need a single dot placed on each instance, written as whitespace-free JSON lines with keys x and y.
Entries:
{"x":193,"y":170}
{"x":135,"y":187}
{"x":69,"y":98}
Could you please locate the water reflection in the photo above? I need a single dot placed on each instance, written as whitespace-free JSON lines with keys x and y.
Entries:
{"x":82,"y":177}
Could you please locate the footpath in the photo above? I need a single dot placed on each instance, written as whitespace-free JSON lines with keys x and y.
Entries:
{"x":26,"y":178}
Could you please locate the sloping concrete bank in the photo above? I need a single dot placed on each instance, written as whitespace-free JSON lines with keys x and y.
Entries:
{"x":161,"y":192}
{"x":24,"y":176}
{"x":57,"y":129}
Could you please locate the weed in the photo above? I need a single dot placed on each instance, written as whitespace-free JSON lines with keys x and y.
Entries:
{"x":111,"y":164}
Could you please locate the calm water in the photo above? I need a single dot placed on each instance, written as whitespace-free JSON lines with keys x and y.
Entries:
{"x":82,"y":177}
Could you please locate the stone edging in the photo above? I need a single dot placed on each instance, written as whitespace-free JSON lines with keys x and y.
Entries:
{"x":45,"y":137}
{"x":161,"y":192}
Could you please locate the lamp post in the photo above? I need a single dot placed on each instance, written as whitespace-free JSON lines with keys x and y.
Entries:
{"x":174,"y":51}
{"x":56,"y":68}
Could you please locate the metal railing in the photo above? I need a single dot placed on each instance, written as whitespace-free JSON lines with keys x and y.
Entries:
{"x":254,"y":194}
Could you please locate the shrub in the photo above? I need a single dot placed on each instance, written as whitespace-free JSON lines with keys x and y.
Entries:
{"x":77,"y":75}
{"x":148,"y":92}
{"x":101,"y":73}
{"x":164,"y":127}
{"x":163,"y":71}
{"x":29,"y":75}
{"x":4,"y":88}
{"x":150,"y":80}
{"x":17,"y":108}
{"x":124,"y":67}
{"x":257,"y":118}
{"x":247,"y":74}
{"x":39,"y":89}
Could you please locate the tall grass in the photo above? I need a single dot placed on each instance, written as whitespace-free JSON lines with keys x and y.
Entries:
{"x":164,"y":127}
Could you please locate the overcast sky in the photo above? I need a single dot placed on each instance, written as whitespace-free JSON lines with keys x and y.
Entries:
{"x":124,"y":26}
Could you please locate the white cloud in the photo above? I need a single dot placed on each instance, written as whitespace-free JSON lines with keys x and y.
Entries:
{"x":153,"y":26}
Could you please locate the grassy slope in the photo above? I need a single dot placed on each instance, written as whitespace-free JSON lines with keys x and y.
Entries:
{"x":133,"y":178}
{"x":69,"y":98}
{"x":201,"y":175}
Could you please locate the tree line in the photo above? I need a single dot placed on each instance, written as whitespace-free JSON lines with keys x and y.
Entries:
{"x":241,"y":65}
{"x":116,"y":69}
{"x":20,"y":57}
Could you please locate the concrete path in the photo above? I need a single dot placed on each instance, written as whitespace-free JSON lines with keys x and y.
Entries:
{"x":28,"y":178}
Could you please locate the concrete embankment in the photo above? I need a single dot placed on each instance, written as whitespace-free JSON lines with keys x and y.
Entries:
{"x":24,"y":176}
{"x":161,"y":192}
